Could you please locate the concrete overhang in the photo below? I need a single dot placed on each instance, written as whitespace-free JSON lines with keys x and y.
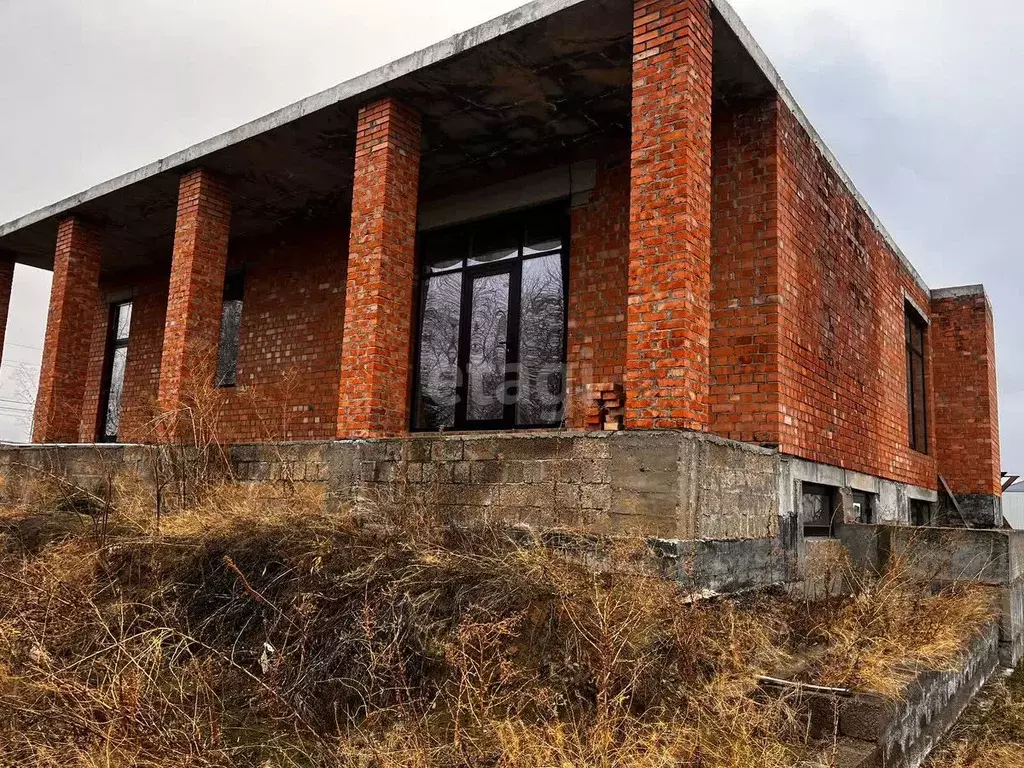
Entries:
{"x":540,"y":85}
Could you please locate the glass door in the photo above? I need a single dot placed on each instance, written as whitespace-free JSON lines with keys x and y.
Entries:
{"x":492,"y":330}
{"x":485,"y":398}
{"x":113,"y":375}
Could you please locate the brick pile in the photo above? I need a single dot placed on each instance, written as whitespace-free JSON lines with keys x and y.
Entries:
{"x":605,"y":409}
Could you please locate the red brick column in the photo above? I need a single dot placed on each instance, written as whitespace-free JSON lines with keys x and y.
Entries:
{"x":962,"y":340}
{"x":73,"y":300}
{"x":188,"y":362}
{"x":669,"y":317}
{"x":376,"y":349}
{"x":6,"y":280}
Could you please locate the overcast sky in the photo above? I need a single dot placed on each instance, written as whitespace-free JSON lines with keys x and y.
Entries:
{"x":921,"y":101}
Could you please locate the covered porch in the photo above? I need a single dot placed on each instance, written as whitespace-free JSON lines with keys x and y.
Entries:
{"x":463,"y":240}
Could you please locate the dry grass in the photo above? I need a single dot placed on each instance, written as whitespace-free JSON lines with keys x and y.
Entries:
{"x":894,"y":625}
{"x":993,"y":736}
{"x":253,"y":631}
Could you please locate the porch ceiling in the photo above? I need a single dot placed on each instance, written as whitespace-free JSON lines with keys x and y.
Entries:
{"x":536,"y":89}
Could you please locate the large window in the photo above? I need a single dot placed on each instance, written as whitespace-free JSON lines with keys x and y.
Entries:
{"x":120,"y":325}
{"x":917,"y":397}
{"x":230,"y":331}
{"x":491,"y":344}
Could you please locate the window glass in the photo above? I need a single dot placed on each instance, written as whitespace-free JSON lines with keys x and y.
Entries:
{"x":114,"y":395}
{"x":439,"y":352}
{"x":445,"y":251}
{"x":917,"y":389}
{"x":119,"y":330}
{"x":487,"y":348}
{"x":230,"y":332}
{"x":124,"y":321}
{"x":818,"y":510}
{"x":494,"y":244}
{"x":544,"y":233}
{"x":541,"y":342}
{"x":491,"y":337}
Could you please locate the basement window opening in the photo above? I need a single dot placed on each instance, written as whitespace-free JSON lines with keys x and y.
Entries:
{"x":863,"y":508}
{"x":230,"y":330}
{"x":490,"y":346}
{"x":920,"y":513}
{"x":819,"y":511}
{"x":917,"y":393}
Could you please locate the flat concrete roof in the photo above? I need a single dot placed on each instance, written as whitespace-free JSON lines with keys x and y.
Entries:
{"x":593,"y":24}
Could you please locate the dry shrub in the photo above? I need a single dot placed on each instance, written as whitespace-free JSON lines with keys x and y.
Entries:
{"x":991,"y":734}
{"x":249,"y":628}
{"x":253,"y":630}
{"x":895,"y":625}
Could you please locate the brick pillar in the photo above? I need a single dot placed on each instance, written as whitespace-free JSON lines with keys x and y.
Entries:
{"x":962,"y":339}
{"x":6,"y":280}
{"x":73,"y":300}
{"x":188,"y":362}
{"x":376,"y":349}
{"x":669,"y":316}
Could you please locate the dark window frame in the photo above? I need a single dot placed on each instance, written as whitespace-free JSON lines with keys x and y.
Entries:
{"x":916,"y":341}
{"x":113,"y":343}
{"x":234,"y":291}
{"x":513,"y":266}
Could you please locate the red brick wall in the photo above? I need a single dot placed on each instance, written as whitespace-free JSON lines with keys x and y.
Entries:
{"x":745,"y":343}
{"x":289,"y":348}
{"x":966,"y":397}
{"x":669,"y":316}
{"x":843,"y":364}
{"x":598,"y":273}
{"x":192,"y":330}
{"x":289,"y":358}
{"x":73,"y":300}
{"x":376,"y":360}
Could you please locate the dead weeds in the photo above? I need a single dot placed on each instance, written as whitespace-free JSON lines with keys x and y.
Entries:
{"x":257,"y":631}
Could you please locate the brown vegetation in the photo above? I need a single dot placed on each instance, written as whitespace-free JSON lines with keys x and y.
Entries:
{"x":249,"y":630}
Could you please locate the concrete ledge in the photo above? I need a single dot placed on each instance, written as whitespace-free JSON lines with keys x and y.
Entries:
{"x":902,"y":733}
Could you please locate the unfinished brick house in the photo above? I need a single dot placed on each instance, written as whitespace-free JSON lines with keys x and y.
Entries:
{"x":584,"y":215}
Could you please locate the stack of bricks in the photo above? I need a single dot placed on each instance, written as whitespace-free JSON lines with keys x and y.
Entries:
{"x":605,"y":407}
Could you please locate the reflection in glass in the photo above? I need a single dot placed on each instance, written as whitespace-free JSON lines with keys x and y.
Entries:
{"x":439,"y":353}
{"x":497,"y":245}
{"x":488,"y":333}
{"x":544,"y":234}
{"x":112,"y":421}
{"x":541,"y":342}
{"x":227,"y":353}
{"x":124,"y":322}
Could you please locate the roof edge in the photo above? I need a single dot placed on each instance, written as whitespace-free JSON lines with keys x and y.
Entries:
{"x":960,"y":292}
{"x":768,"y":69}
{"x":425,"y":57}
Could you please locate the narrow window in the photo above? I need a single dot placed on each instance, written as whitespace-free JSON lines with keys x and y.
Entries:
{"x":230,"y":331}
{"x":819,"y":511}
{"x":120,"y":325}
{"x":917,"y":397}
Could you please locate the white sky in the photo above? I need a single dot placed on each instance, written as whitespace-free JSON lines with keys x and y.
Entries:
{"x":919,"y":99}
